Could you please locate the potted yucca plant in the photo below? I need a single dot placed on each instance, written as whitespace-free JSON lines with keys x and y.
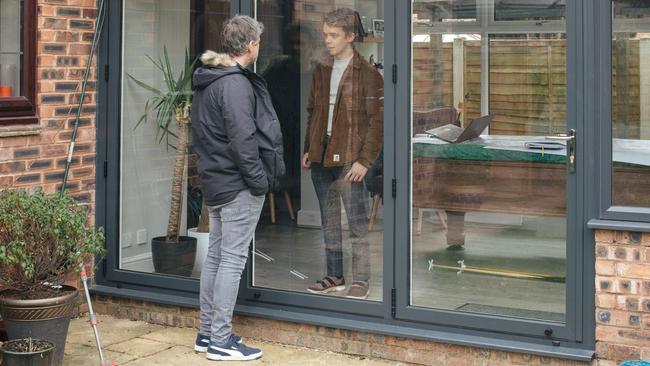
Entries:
{"x":44,"y":238}
{"x":170,"y":110}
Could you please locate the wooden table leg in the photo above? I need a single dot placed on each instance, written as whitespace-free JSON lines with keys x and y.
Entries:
{"x":272,"y":206}
{"x":373,"y":213}
{"x":287,"y":199}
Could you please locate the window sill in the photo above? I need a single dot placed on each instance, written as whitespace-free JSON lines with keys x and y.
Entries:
{"x":619,"y":225}
{"x":17,"y":114}
{"x":20,"y":130}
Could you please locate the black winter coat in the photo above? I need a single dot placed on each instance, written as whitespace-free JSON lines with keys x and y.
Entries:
{"x":235,"y":130}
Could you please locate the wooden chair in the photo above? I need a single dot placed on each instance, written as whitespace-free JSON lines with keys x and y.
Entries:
{"x":287,"y":200}
{"x":375,"y":184}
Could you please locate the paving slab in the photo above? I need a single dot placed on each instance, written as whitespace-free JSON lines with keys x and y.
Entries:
{"x":134,"y":343}
{"x":140,"y":347}
{"x":175,"y":336}
{"x":81,"y":355}
{"x":111,"y":330}
{"x":273,"y":355}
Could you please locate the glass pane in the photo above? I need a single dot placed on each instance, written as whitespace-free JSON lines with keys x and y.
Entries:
{"x":11,"y":48}
{"x":147,"y":155}
{"x":631,"y":103}
{"x":444,"y":10}
{"x":529,"y":9}
{"x":320,"y":223}
{"x":488,"y":190}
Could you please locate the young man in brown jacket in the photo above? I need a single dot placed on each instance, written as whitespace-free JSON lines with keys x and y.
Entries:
{"x":343,"y":139}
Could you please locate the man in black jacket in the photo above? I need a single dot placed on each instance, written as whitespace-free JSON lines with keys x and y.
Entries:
{"x":239,"y":145}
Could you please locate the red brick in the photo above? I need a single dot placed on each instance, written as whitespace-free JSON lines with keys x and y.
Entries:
{"x":605,"y":268}
{"x":617,"y":352}
{"x":604,"y":236}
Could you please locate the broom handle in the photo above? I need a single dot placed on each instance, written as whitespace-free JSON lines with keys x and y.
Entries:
{"x":93,"y":318}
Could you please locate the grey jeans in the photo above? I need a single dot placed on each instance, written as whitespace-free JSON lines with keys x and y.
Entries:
{"x":232,"y":226}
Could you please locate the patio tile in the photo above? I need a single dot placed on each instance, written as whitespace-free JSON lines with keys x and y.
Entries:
{"x":130,"y":343}
{"x":140,"y":347}
{"x":78,"y":354}
{"x":179,"y":336}
{"x":111,"y":331}
{"x":273,"y":355}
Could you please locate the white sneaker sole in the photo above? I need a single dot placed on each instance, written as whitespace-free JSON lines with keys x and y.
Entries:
{"x":357,"y":297}
{"x":200,"y":349}
{"x":254,"y":356}
{"x":328,"y":290}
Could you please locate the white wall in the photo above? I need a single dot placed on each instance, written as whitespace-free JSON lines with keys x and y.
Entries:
{"x":148,"y":25}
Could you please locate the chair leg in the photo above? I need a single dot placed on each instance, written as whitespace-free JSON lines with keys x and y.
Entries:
{"x":442,"y":219}
{"x":373,"y":213}
{"x":287,"y":199}
{"x":419,"y":225}
{"x":272,"y":206}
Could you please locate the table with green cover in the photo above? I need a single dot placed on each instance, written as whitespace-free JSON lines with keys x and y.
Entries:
{"x":499,"y":174}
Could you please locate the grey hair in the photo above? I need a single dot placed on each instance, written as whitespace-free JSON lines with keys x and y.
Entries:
{"x":238,"y":32}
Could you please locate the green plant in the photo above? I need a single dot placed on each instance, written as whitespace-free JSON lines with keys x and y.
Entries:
{"x":43,"y":238}
{"x":175,"y":101}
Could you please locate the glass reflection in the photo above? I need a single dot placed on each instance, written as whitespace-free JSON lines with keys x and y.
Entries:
{"x":323,"y":64}
{"x":488,"y":205}
{"x":630,"y":103}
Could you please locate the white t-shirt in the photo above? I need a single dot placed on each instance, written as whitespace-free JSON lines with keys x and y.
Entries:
{"x":337,"y":73}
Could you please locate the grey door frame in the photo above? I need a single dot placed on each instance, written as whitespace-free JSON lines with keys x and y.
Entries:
{"x":378,"y":309}
{"x":394,"y":310}
{"x":573,"y":329}
{"x":108,"y":156}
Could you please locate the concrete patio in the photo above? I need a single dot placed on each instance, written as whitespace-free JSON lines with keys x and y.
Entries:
{"x":135,"y":343}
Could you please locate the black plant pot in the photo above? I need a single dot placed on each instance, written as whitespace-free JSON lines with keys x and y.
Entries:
{"x":43,"y":319}
{"x":40,"y":358}
{"x":173,"y":257}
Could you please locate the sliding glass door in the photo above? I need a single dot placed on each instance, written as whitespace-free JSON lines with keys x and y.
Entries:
{"x":492,"y":164}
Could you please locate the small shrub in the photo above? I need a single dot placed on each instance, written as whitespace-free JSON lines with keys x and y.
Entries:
{"x":43,"y":238}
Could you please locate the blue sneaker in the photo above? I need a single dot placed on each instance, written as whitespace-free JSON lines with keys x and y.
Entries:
{"x":203,"y":341}
{"x":232,"y":351}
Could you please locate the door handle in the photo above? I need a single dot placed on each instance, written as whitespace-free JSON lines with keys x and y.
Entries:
{"x":570,"y":139}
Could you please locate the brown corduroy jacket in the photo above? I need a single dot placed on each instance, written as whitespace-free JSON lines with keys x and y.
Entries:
{"x":358,"y":123}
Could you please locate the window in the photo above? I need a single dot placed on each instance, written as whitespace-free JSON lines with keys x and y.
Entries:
{"x":17,"y":62}
{"x":324,"y":225}
{"x":489,"y":207}
{"x":630,"y":103}
{"x":151,"y":30}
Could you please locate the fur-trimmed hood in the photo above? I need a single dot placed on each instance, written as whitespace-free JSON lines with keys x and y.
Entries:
{"x":215,"y":66}
{"x":211,"y":58}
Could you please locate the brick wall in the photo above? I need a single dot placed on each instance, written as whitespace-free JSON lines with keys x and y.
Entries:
{"x":65,"y":31}
{"x":622,"y":295}
{"x":329,"y":339}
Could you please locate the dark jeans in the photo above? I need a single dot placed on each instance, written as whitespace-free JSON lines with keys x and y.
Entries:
{"x":331,"y":189}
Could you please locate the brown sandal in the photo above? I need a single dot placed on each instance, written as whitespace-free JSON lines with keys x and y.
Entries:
{"x":327,"y":284}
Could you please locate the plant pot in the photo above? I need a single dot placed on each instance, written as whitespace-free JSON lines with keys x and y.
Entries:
{"x":202,"y":243}
{"x":43,"y":357}
{"x":3,"y":332}
{"x":43,"y":318}
{"x":173,"y":257}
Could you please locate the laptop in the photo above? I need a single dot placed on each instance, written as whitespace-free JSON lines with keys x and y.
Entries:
{"x":454,"y":134}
